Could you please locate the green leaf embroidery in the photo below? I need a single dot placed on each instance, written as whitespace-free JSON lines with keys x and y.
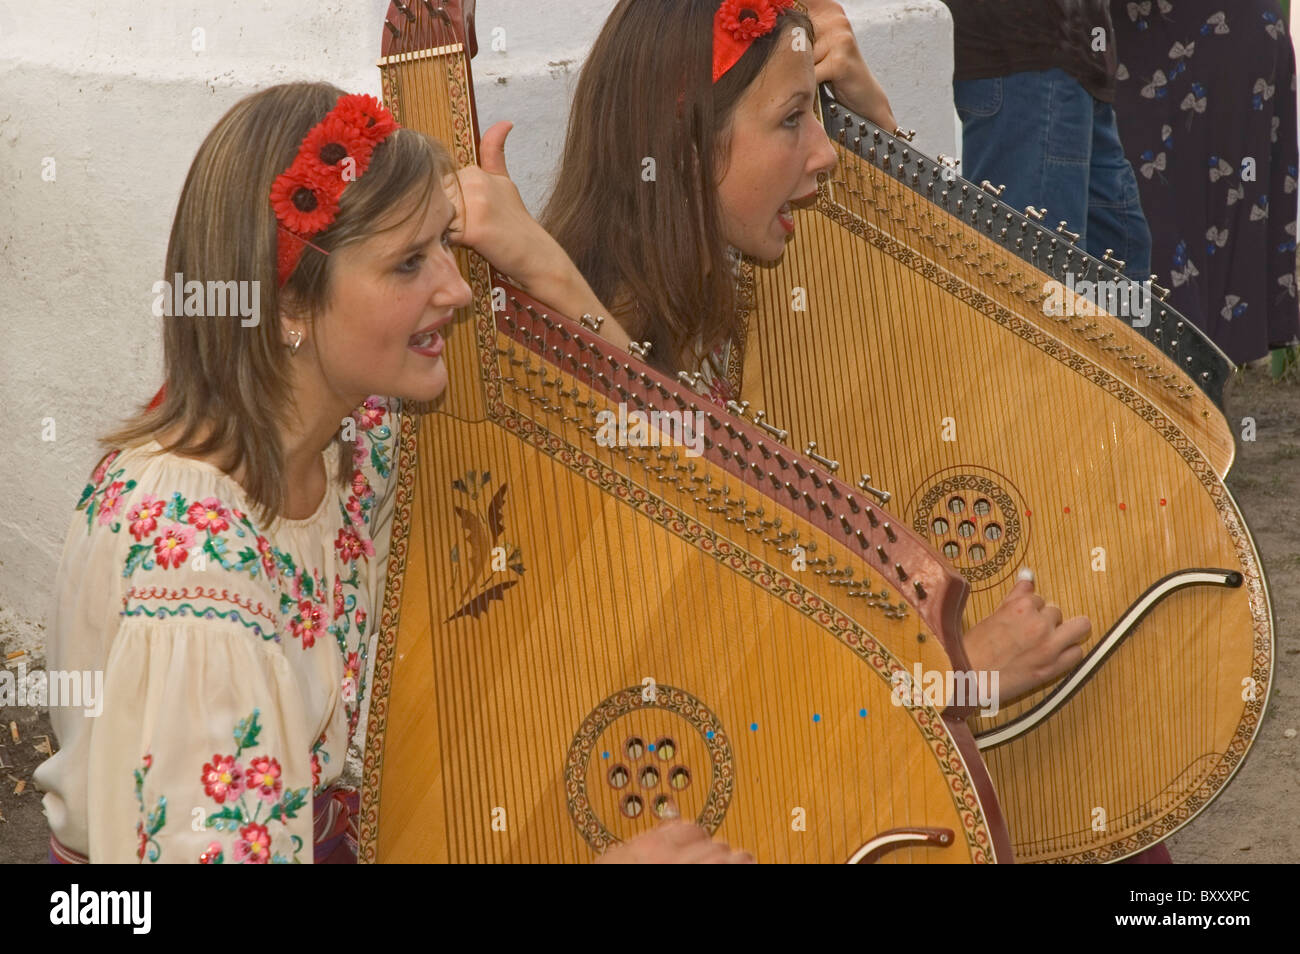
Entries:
{"x":247,"y":731}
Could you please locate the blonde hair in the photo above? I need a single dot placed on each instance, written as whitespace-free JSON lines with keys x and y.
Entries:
{"x":226,"y":383}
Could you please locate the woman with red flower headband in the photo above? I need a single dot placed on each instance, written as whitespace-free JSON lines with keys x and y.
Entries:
{"x":225,"y":565}
{"x":719,"y":109}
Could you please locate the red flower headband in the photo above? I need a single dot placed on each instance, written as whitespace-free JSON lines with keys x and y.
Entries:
{"x":306,"y":196}
{"x":737,"y":24}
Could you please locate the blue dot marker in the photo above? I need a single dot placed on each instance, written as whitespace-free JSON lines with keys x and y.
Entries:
{"x":604,"y":755}
{"x":709,"y":734}
{"x":817,"y":717}
{"x":651,"y":746}
{"x":863,"y":713}
{"x":753,"y":727}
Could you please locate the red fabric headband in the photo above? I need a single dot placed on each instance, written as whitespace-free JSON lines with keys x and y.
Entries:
{"x":737,"y":24}
{"x":306,"y":195}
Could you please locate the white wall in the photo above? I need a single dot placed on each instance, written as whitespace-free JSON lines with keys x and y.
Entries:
{"x":113,"y":92}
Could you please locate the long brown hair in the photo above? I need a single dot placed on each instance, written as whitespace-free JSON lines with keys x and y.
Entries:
{"x":226,"y":383}
{"x":635,"y":201}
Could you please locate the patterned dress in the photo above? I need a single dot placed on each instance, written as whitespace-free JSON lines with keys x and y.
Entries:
{"x":233,"y":657}
{"x":1207,"y":110}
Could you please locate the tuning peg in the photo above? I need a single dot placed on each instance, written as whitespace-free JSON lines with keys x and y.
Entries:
{"x":1115,"y":263}
{"x":640,"y":349}
{"x":1036,"y":214}
{"x":882,"y":495}
{"x":909,"y":135}
{"x":990,"y":188}
{"x":779,"y":433}
{"x":811,"y":451}
{"x":592,"y":322}
{"x":691,"y":380}
{"x":1062,"y":230}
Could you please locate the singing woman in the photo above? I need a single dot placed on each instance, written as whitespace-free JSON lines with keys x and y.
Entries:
{"x":691,"y":138}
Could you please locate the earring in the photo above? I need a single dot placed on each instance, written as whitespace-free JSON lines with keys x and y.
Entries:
{"x":297,"y":342}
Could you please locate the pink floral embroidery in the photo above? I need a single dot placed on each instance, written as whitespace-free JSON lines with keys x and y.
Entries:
{"x":253,"y":846}
{"x":338,"y":597}
{"x":111,"y":502}
{"x":308,"y":623}
{"x":351,"y":547}
{"x":223,"y":779}
{"x":144,"y":516}
{"x":209,"y":515}
{"x":370,"y":413}
{"x":102,"y":469}
{"x":361,"y":622}
{"x":268,"y":557}
{"x":171,"y":549}
{"x":264,"y":774}
{"x":212,"y":855}
{"x":315,"y":770}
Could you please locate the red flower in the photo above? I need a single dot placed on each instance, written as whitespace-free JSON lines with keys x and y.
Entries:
{"x":253,"y":846}
{"x":366,"y":114}
{"x":144,"y":516}
{"x":111,"y":502}
{"x":327,"y":146}
{"x":171,"y":549}
{"x":747,"y":20}
{"x":361,"y":622}
{"x":209,"y":515}
{"x":315,"y":769}
{"x":264,"y":775}
{"x":307,"y":623}
{"x":304,"y":203}
{"x":223,"y":778}
{"x":360,"y":486}
{"x":144,"y":840}
{"x":350,"y":546}
{"x":338,"y":597}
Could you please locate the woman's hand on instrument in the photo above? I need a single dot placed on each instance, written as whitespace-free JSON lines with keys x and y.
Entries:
{"x":674,"y":843}
{"x":1025,"y":641}
{"x":839,"y":62}
{"x":491,"y":218}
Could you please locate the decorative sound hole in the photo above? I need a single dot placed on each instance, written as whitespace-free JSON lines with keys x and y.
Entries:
{"x":973,"y":516}
{"x":633,"y":762}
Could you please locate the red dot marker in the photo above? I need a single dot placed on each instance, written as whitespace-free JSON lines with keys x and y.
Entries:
{"x":1029,"y":513}
{"x":1123,"y":507}
{"x":1162,"y":501}
{"x":1067,"y":509}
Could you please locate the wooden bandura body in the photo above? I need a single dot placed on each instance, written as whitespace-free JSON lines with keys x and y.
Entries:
{"x":1008,"y":439}
{"x":575,"y":634}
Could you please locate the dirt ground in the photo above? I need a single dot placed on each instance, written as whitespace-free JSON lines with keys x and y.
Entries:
{"x":1252,"y":821}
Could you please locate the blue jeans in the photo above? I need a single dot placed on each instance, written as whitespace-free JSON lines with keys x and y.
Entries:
{"x":1053,"y":145}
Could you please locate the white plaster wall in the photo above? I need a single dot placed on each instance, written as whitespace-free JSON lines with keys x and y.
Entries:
{"x":113,"y":92}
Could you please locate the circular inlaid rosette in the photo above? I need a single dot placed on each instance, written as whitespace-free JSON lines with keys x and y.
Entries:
{"x":626,"y":702}
{"x":974,"y":517}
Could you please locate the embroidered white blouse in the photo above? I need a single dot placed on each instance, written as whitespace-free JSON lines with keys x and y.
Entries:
{"x":233,"y":656}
